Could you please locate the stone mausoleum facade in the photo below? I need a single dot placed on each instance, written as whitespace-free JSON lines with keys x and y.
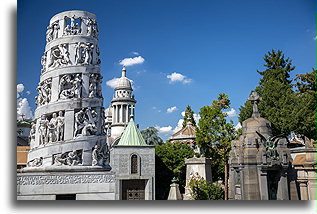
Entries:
{"x":69,"y":155}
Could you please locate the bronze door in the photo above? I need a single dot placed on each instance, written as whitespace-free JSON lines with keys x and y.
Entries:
{"x":133,"y":189}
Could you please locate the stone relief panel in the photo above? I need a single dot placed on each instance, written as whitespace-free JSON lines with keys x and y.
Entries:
{"x":32,"y":133}
{"x":70,"y":86}
{"x":92,"y":27}
{"x":44,"y":92}
{"x":72,"y":25}
{"x":51,"y":128}
{"x":37,"y":162}
{"x":84,"y":53}
{"x":52,"y":31}
{"x":43,"y":62}
{"x":71,"y":158}
{"x":59,"y":56}
{"x":95,"y":81}
{"x":100,"y":156}
{"x":86,"y":122}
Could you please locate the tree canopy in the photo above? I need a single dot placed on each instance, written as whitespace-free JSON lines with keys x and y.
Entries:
{"x":150,"y":136}
{"x":169,"y":163}
{"x":189,"y":116}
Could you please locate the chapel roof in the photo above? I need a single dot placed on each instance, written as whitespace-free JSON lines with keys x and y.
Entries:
{"x":131,"y":136}
{"x":189,"y":131}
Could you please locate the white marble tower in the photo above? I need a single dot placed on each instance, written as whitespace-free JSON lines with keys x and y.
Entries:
{"x":123,"y":98}
{"x":68,"y":139}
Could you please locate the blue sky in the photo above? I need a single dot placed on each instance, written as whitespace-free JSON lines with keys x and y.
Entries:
{"x":216,"y":46}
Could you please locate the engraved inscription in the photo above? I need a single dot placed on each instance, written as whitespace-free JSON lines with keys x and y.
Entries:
{"x":64,"y":179}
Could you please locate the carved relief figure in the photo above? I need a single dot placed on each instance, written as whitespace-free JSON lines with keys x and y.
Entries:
{"x":44,"y":92}
{"x":93,"y":85}
{"x":60,"y":126}
{"x":85,"y":122}
{"x":70,"y":86}
{"x":32,"y":132}
{"x":88,"y":48}
{"x":43,"y":63}
{"x":52,"y":31}
{"x":71,"y":158}
{"x":73,"y":28}
{"x":52,"y":129}
{"x":59,"y":56}
{"x":43,"y":130}
{"x":270,"y":145}
{"x":100,"y":157}
{"x":35,"y":162}
{"x":92,"y":28}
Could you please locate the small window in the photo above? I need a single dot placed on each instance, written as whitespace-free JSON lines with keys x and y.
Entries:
{"x":134,"y":164}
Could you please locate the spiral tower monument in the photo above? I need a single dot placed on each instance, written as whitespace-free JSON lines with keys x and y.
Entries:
{"x":67,"y":137}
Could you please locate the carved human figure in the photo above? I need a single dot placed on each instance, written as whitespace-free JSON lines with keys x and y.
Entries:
{"x":49,"y":33}
{"x":92,"y":28}
{"x":52,"y":129}
{"x":79,"y":122}
{"x":58,"y":160}
{"x":77,"y":86}
{"x":43,"y":130}
{"x":64,"y":54}
{"x":270,"y":145}
{"x":73,"y":28}
{"x":93,"y":85}
{"x":99,"y":83}
{"x":56,"y":58}
{"x":32,"y":132}
{"x":56,"y":28}
{"x":60,"y":126}
{"x":96,"y":156}
{"x":78,"y":53}
{"x":43,"y":63}
{"x":73,"y":159}
{"x":100,"y":157}
{"x":88,"y":47}
{"x":35,"y":162}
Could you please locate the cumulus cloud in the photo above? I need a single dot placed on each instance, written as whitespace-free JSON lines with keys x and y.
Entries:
{"x":20,"y":89}
{"x":114,"y":82}
{"x":238,"y":126}
{"x":132,"y":61}
{"x":231,"y":113}
{"x":177,"y":77}
{"x":23,"y":109}
{"x":23,"y":106}
{"x":171,"y":109}
{"x":166,"y":130}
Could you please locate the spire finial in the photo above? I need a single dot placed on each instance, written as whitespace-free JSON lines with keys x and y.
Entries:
{"x":132,"y":111}
{"x":254,"y":98}
{"x":124,"y":71}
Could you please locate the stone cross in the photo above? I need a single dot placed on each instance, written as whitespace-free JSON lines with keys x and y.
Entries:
{"x":254,"y":98}
{"x":132,"y":110}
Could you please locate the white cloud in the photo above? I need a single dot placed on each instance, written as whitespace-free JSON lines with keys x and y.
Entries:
{"x":166,"y":130}
{"x":238,"y":126}
{"x":156,"y":109}
{"x":177,"y":77}
{"x":231,"y":113}
{"x":135,"y":53}
{"x":113,"y":82}
{"x":132,"y":61}
{"x":20,"y":89}
{"x":23,"y":108}
{"x":28,"y":92}
{"x":171,"y":109}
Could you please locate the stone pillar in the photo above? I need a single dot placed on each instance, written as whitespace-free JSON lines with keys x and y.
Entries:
{"x":174,"y":193}
{"x":282,"y":191}
{"x":55,"y":91}
{"x":263,"y":185}
{"x":69,"y":125}
{"x":303,"y":191}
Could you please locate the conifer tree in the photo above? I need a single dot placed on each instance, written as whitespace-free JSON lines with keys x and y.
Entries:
{"x":189,"y":116}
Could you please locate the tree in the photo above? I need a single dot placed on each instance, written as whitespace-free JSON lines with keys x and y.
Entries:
{"x":169,"y":163}
{"x":214,"y":135}
{"x":305,"y":114}
{"x":189,"y":116}
{"x":278,"y":98}
{"x":150,"y":136}
{"x":204,"y":190}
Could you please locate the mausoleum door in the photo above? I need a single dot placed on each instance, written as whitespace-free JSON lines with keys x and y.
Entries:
{"x":133,"y":189}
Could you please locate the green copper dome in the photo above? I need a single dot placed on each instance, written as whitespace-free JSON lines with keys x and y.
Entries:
{"x":131,"y":136}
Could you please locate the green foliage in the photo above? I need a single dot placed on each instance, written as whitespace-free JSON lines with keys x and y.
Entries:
{"x":189,"y":116}
{"x":305,"y":110}
{"x":169,"y":163}
{"x":150,"y":136}
{"x":275,"y":89}
{"x":214,"y":134}
{"x":204,"y":190}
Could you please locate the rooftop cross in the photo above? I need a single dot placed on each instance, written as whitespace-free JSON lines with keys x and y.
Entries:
{"x":254,"y":98}
{"x":132,"y":110}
